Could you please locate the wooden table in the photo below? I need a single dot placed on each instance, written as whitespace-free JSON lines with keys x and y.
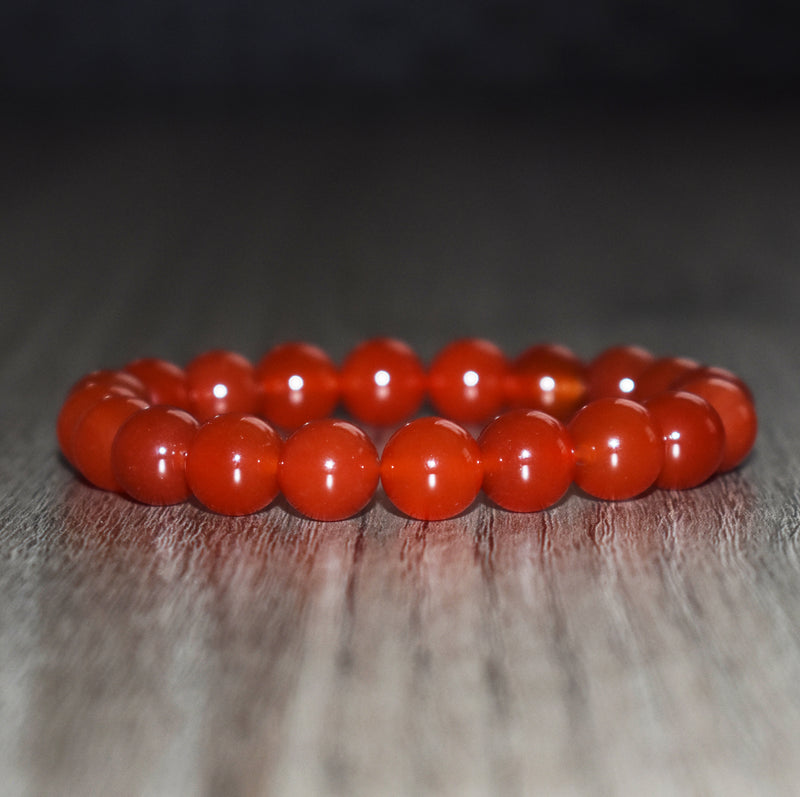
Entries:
{"x":643,"y":647}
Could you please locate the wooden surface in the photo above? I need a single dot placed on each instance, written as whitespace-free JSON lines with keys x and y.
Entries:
{"x":643,"y":647}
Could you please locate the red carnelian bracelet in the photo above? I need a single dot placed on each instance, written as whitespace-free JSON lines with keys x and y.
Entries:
{"x":616,"y":426}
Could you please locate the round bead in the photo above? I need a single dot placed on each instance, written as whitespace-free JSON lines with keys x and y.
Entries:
{"x":736,"y":411}
{"x":550,"y":378}
{"x":618,"y":448}
{"x":431,"y":469}
{"x":232,"y":464}
{"x":693,"y":439}
{"x":382,"y":381}
{"x":298,"y":383}
{"x":615,"y":371}
{"x":79,"y":400}
{"x":221,"y":382}
{"x":466,"y":380}
{"x":329,"y":470}
{"x":148,"y":456}
{"x":109,"y":378}
{"x":164,"y":381}
{"x":720,"y":373}
{"x":527,"y":460}
{"x":94,"y":437}
{"x":661,"y":375}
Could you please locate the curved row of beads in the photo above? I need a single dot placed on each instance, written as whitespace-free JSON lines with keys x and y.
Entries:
{"x":525,"y":460}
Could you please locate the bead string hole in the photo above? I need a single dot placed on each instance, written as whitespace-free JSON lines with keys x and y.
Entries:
{"x":234,"y":435}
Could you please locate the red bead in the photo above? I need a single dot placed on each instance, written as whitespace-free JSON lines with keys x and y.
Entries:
{"x":220,"y":382}
{"x":466,"y":380}
{"x":736,"y":411}
{"x":94,"y":437}
{"x":618,"y":448}
{"x":79,"y":400}
{"x":383,"y":382}
{"x":693,"y":437}
{"x":148,"y":456}
{"x":550,"y":378}
{"x":109,"y":378}
{"x":661,"y":375}
{"x":298,"y":383}
{"x":614,"y":372}
{"x":720,"y":373}
{"x":164,"y":381}
{"x":232,"y":465}
{"x":329,"y":470}
{"x":431,"y":469}
{"x":527,"y":460}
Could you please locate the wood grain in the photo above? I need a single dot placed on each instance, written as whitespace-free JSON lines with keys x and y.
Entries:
{"x":648,"y":646}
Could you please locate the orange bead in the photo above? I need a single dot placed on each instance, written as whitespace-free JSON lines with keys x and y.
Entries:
{"x":527,"y":460}
{"x":94,"y":437}
{"x":220,"y":382}
{"x":615,"y":372}
{"x":164,"y":381}
{"x":618,"y":448}
{"x":736,"y":411}
{"x":693,"y":436}
{"x":329,"y":469}
{"x":550,"y":378}
{"x":148,"y":455}
{"x":661,"y":375}
{"x":383,"y":382}
{"x":232,"y":464}
{"x":431,"y":469}
{"x":466,"y":380}
{"x":298,"y":383}
{"x":80,"y":399}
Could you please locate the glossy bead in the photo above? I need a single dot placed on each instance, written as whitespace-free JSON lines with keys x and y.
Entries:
{"x":431,"y":469}
{"x":661,"y":375}
{"x":94,"y":437}
{"x":466,"y":380}
{"x":383,"y":382}
{"x":164,"y":381}
{"x":221,"y":382}
{"x":148,"y":455}
{"x":693,"y":439}
{"x":79,"y":400}
{"x":329,"y":469}
{"x":111,"y":378}
{"x":615,"y":371}
{"x":527,"y":460}
{"x":298,"y":383}
{"x":618,"y":448}
{"x":550,"y":378}
{"x":232,"y":464}
{"x":720,"y":373}
{"x":736,"y":411}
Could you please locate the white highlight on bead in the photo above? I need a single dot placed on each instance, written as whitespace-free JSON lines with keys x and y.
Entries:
{"x":547,"y":383}
{"x":295,"y":382}
{"x":382,"y":378}
{"x":471,"y":378}
{"x":627,"y":385}
{"x":220,"y":391}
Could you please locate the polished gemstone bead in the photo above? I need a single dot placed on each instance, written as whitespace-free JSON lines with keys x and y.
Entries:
{"x":109,"y":378}
{"x":661,"y":375}
{"x":615,"y":372}
{"x":298,"y":383}
{"x":221,"y":382}
{"x":383,"y":382}
{"x":618,"y":448}
{"x":148,"y":456}
{"x":232,"y":464}
{"x":329,"y":469}
{"x":693,"y":437}
{"x":527,"y":460}
{"x":164,"y":381}
{"x":547,"y":377}
{"x":94,"y":437}
{"x":431,"y":469}
{"x":79,"y":400}
{"x":466,"y":380}
{"x":720,"y":373}
{"x":736,"y":411}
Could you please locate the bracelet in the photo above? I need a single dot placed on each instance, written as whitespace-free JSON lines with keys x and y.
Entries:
{"x":615,"y":427}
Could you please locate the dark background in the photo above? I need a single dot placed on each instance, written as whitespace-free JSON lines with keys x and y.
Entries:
{"x":180,"y":49}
